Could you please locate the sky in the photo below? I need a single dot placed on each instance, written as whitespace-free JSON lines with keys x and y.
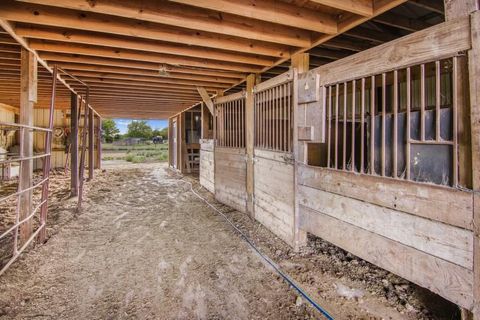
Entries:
{"x":155,"y":124}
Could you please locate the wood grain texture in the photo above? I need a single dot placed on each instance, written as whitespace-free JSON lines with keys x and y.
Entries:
{"x":428,"y":201}
{"x":450,"y":243}
{"x":230,"y":177}
{"x":434,"y":43}
{"x":450,"y":281}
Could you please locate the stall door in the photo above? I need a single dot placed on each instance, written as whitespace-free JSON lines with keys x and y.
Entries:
{"x":274,"y":192}
{"x":230,"y":165}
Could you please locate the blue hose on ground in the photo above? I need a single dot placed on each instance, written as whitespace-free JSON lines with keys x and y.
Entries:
{"x":266,"y":258}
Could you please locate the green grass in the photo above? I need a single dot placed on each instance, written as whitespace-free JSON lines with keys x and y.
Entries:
{"x":135,"y":154}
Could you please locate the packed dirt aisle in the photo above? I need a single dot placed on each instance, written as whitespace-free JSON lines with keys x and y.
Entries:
{"x":145,"y":247}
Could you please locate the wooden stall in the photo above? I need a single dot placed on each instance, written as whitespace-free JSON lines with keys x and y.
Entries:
{"x":274,"y":194}
{"x":391,"y":166}
{"x":230,"y":158}
{"x":184,"y":141}
{"x":207,"y":156}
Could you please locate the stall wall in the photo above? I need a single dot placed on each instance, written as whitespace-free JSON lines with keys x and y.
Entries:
{"x":230,"y":177}
{"x":207,"y":165}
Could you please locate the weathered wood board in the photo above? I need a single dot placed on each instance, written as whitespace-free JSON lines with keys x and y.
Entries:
{"x":274,"y":193}
{"x":207,"y":161}
{"x":428,"y":201}
{"x":449,"y":280}
{"x":230,"y":177}
{"x":447,"y":242}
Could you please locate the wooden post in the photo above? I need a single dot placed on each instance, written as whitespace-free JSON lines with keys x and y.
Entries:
{"x":474,"y":75}
{"x":74,"y":144}
{"x":28,"y":96}
{"x":249,"y":130}
{"x":300,"y":62}
{"x":459,"y":8}
{"x":91,"y":144}
{"x":99,"y":143}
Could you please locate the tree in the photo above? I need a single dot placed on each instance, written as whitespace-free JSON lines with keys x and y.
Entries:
{"x":139,"y":129}
{"x":160,"y":133}
{"x":110,"y":130}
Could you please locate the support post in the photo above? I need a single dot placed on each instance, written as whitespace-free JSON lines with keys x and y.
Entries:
{"x":91,"y":144}
{"x":249,"y":141}
{"x":99,"y":143}
{"x":206,"y":98}
{"x":474,"y":80}
{"x":28,"y":96}
{"x":300,"y":64}
{"x":74,"y":144}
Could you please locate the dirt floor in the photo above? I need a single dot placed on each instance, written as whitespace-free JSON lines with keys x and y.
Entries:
{"x":145,"y":247}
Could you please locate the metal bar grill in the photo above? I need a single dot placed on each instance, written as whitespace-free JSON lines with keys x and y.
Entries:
{"x":22,"y":189}
{"x":230,"y":120}
{"x":273,"y":116}
{"x":398,"y":126}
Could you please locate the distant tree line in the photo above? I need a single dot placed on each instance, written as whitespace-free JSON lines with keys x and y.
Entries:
{"x":135,"y":129}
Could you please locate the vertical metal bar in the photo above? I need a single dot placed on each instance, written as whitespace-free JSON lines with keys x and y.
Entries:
{"x":46,"y":160}
{"x":409,"y":106}
{"x":289,"y":117}
{"x":362,"y":126}
{"x":372,"y":126}
{"x":422,"y":102}
{"x":329,"y":125}
{"x":270,"y":116}
{"x":274,"y":118}
{"x":19,"y":189}
{"x":395,"y":124}
{"x":354,"y":87}
{"x":455,"y":120}
{"x":345,"y":88}
{"x":437,"y":100}
{"x":337,"y":88}
{"x":285,"y":142}
{"x":384,"y":115}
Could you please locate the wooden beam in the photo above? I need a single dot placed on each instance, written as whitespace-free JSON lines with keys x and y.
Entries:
{"x":401,"y":22}
{"x":272,"y":11}
{"x":107,"y":52}
{"x":360,"y":7}
{"x":431,"y":5}
{"x":28,"y":96}
{"x":59,"y":17}
{"x":141,"y":72}
{"x":168,"y":13}
{"x":74,"y":145}
{"x":114,"y":41}
{"x":206,"y":98}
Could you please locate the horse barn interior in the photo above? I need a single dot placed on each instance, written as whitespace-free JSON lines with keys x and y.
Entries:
{"x":312,"y":129}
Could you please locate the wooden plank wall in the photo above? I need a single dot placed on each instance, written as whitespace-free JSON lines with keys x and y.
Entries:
{"x":207,"y":165}
{"x":230,"y":177}
{"x":274,"y":193}
{"x":7,"y":114}
{"x":60,"y":120}
{"x":422,"y":232}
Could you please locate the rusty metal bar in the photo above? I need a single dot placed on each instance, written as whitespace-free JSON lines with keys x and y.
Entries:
{"x":354,"y":87}
{"x":336,"y":125}
{"x":455,"y":119}
{"x":362,"y":126}
{"x":329,"y":125}
{"x":345,"y":88}
{"x":437,"y":100}
{"x":384,"y":115}
{"x":422,"y":102}
{"x":372,"y":126}
{"x":409,"y":103}
{"x":395,"y":124}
